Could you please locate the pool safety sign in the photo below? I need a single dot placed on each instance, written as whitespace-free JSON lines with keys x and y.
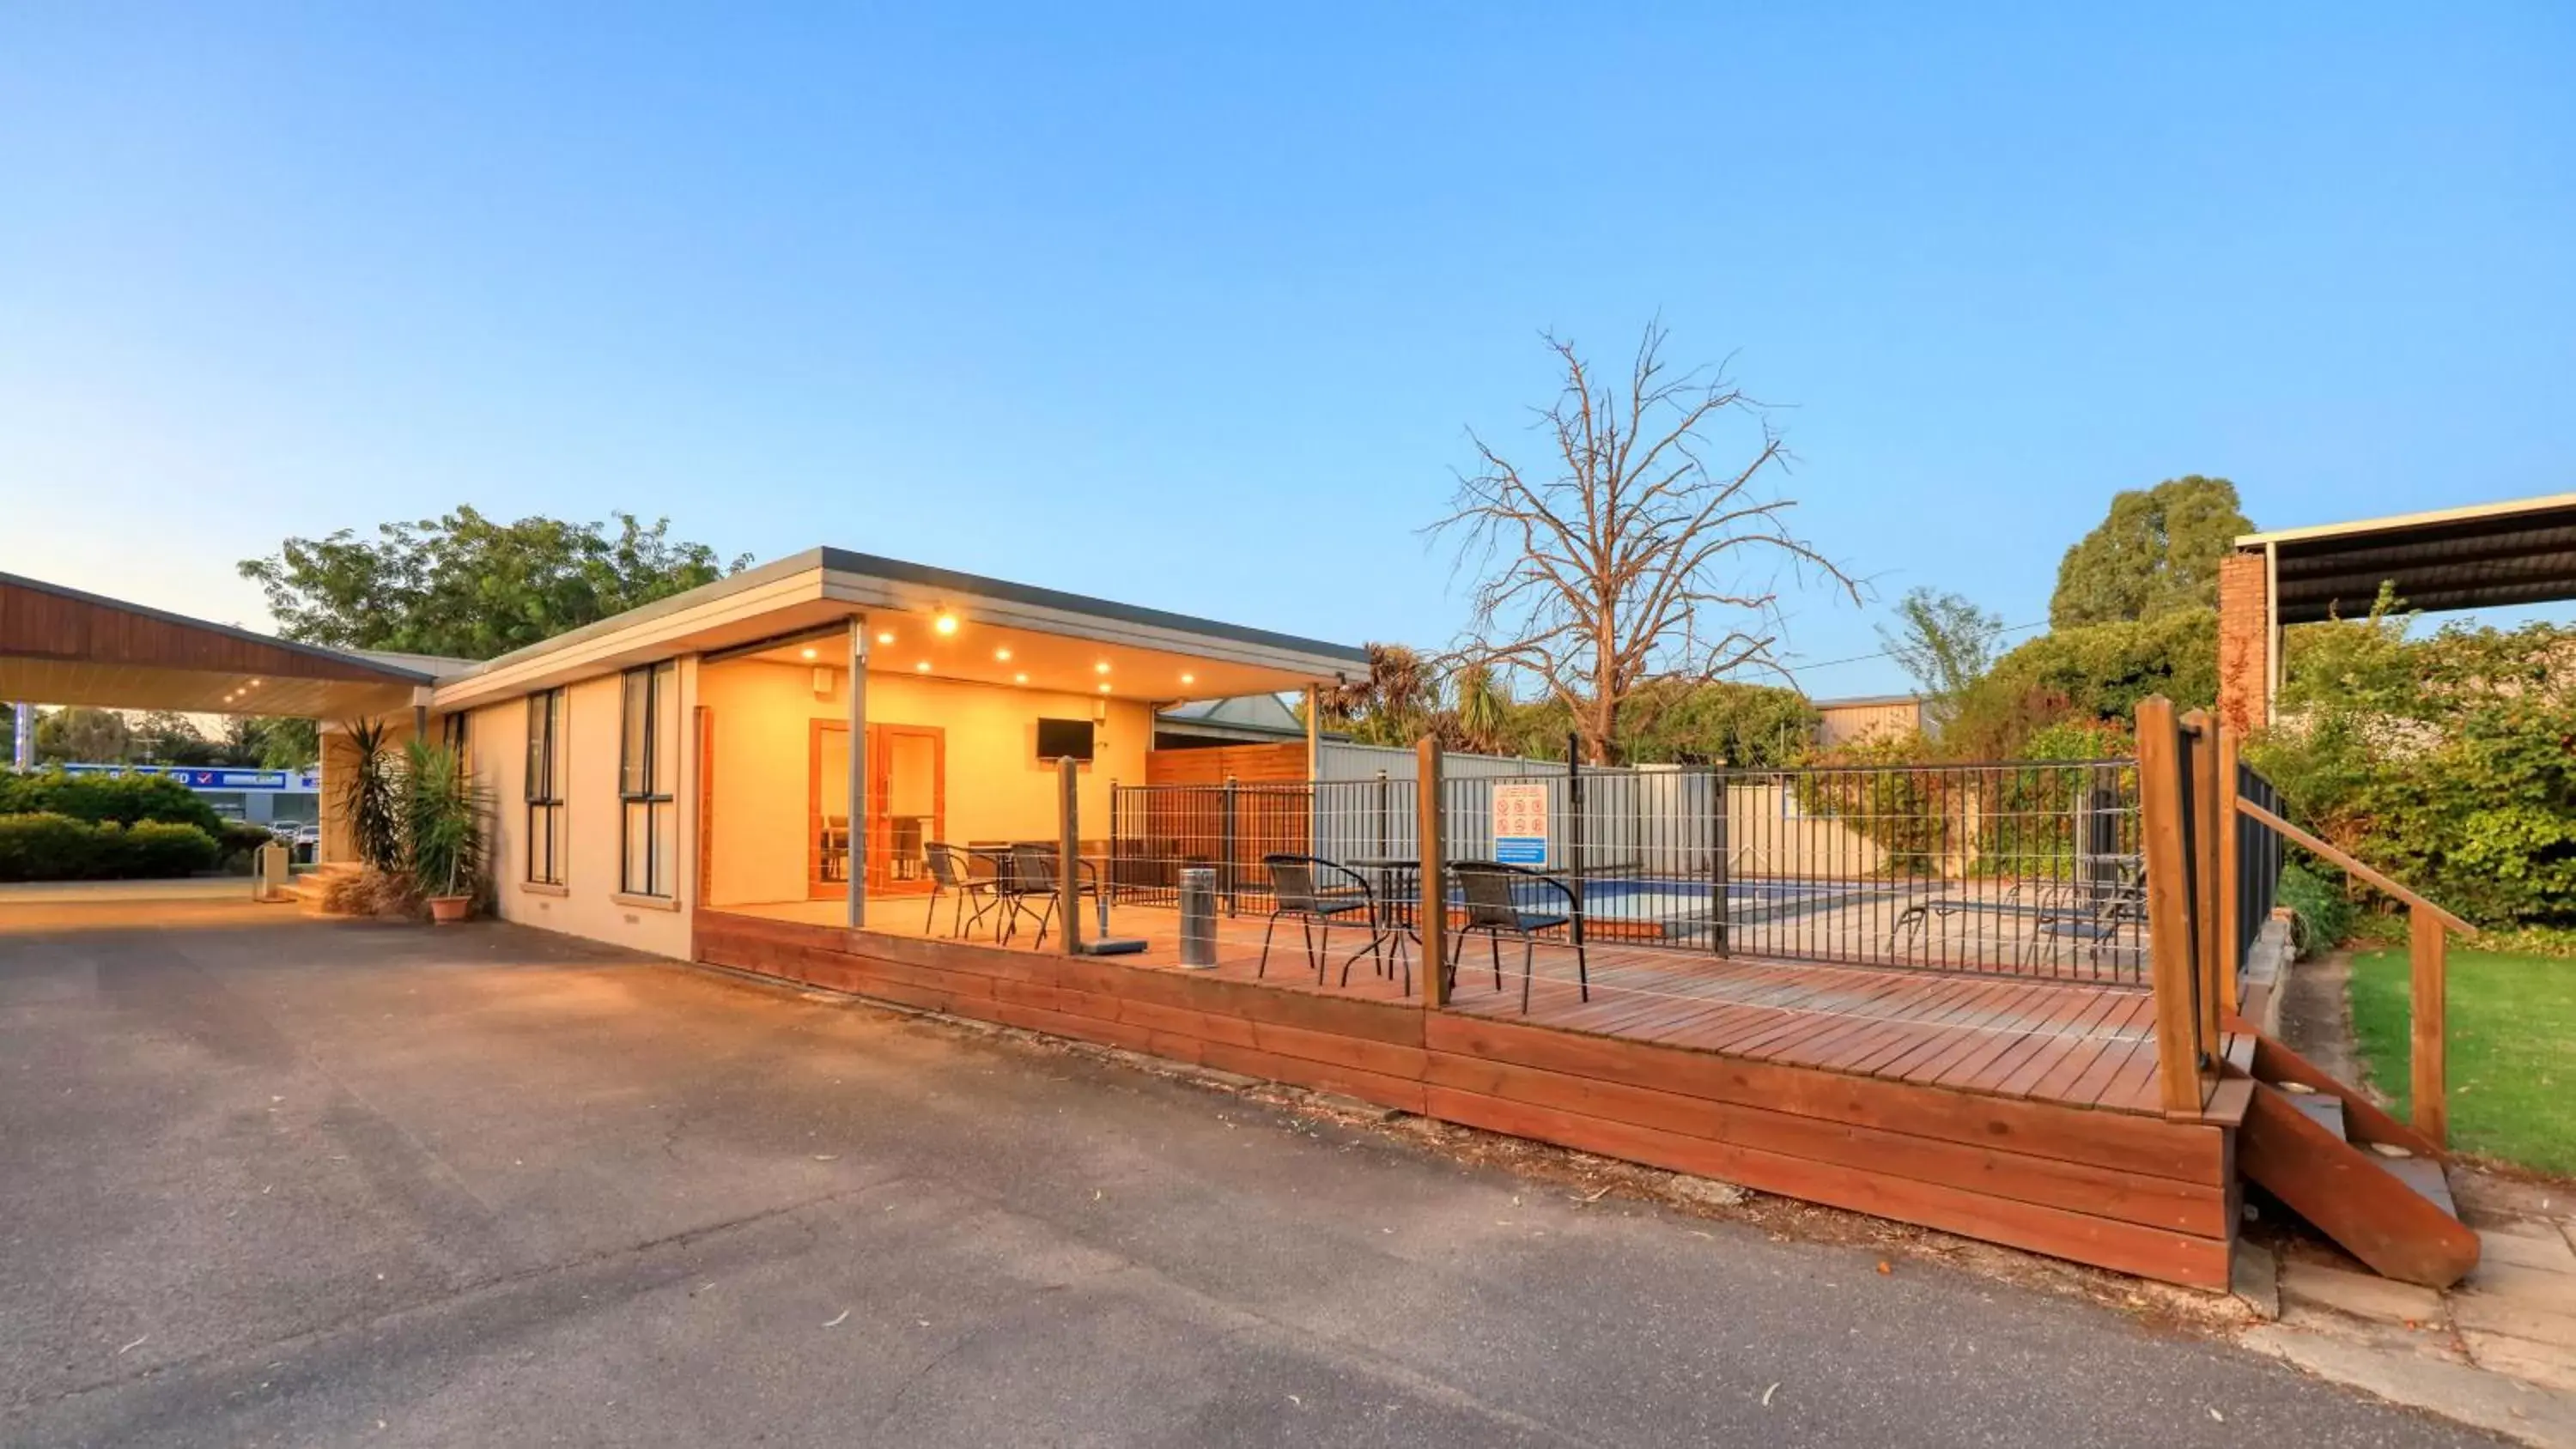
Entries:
{"x":1520,"y":824}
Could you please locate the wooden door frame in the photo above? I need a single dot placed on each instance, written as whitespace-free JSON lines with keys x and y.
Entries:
{"x":880,"y":765}
{"x":881,"y":790}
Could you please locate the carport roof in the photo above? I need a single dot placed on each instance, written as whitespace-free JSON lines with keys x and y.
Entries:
{"x":2484,"y":556}
{"x":62,"y":646}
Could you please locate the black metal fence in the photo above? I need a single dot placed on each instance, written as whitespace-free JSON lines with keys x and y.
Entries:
{"x":2258,"y":860}
{"x":2028,"y":868}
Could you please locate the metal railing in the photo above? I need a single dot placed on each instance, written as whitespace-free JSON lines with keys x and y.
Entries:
{"x":2028,"y":868}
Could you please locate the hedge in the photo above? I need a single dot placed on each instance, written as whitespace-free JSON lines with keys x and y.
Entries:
{"x":125,"y":799}
{"x":54,"y":846}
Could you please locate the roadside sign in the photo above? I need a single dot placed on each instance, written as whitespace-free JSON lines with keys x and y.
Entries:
{"x":1520,"y":824}
{"x":211,"y":777}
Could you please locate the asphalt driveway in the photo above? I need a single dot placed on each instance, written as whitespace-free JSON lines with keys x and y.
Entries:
{"x":268,"y":1181}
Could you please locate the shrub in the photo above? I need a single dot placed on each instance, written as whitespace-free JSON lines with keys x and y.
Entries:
{"x":124,"y":799}
{"x":53,"y":846}
{"x":240,"y":841}
{"x":2449,"y":762}
{"x":2324,"y":915}
{"x":2093,"y":673}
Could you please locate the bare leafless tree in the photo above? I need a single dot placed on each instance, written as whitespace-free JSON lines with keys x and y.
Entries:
{"x":1626,"y":558}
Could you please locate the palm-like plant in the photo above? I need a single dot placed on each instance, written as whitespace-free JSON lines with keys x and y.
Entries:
{"x":371,"y":797}
{"x":1483,"y":711}
{"x":443,"y":822}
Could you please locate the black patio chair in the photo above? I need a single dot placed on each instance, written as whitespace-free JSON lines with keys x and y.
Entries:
{"x":1495,"y":896}
{"x":1035,"y":874}
{"x":953,"y":872}
{"x":1319,"y":892}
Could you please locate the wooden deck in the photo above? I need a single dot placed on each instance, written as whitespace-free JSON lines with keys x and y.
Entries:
{"x":2017,"y":1111}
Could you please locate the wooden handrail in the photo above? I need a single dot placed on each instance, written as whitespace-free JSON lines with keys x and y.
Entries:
{"x":2350,"y":866}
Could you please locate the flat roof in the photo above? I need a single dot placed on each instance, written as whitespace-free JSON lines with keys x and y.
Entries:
{"x":2485,"y":555}
{"x":797,"y":599}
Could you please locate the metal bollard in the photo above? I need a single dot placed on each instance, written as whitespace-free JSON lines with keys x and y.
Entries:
{"x":1198,"y":918}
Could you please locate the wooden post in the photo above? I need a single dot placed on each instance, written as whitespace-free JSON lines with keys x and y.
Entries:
{"x":1068,"y":884}
{"x":1314,"y":734}
{"x":2169,"y":926}
{"x":854,"y":867}
{"x":2231,"y":871}
{"x":2429,"y":1043}
{"x":1434,"y":918}
{"x":2209,"y":823}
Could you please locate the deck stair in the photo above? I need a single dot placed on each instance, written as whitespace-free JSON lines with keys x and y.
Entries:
{"x":2362,"y":1177}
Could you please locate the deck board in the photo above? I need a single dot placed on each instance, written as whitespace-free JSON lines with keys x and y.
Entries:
{"x":2080,"y":1043}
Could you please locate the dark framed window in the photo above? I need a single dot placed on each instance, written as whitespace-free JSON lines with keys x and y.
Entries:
{"x":648,"y":775}
{"x":547,"y":766}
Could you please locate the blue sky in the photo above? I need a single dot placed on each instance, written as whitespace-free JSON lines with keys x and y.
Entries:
{"x":1193,"y":309}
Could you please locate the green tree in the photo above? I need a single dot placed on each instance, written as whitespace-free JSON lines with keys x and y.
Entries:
{"x":2157,"y":552}
{"x":166,"y":737}
{"x":471,"y":588}
{"x":291,"y":744}
{"x":1393,"y":703}
{"x":1721,"y":722}
{"x":1946,"y":643}
{"x":1483,"y":709}
{"x":2093,"y":673}
{"x":81,"y":735}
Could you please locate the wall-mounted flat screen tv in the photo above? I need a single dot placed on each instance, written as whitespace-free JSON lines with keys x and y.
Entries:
{"x":1058,"y":738}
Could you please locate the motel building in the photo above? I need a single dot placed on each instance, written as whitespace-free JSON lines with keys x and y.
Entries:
{"x":700,"y":753}
{"x":846,"y":772}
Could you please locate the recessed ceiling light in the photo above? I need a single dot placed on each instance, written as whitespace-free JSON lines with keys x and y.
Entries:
{"x":1188,"y":678}
{"x":1101,"y":668}
{"x":254,"y":684}
{"x":1002,"y":654}
{"x":1104,"y":689}
{"x":922,"y":668}
{"x":885,"y":636}
{"x":945,"y":623}
{"x":809,"y":653}
{"x":1019,"y":679}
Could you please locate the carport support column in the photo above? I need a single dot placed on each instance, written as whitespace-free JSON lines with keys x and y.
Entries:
{"x":856,"y":866}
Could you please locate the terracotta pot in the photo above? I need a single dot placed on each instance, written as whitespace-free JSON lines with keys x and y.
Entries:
{"x":448,"y":910}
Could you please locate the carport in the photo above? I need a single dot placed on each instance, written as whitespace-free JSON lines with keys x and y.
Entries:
{"x":60,"y":646}
{"x":2486,"y":556}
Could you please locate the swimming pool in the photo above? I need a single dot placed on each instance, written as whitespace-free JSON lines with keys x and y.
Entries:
{"x":1685,"y":902}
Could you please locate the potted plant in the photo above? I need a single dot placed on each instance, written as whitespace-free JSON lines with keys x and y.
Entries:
{"x":443,"y":830}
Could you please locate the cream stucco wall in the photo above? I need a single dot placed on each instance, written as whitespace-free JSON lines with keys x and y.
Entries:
{"x":588,"y":903}
{"x":761,"y":716}
{"x":763,"y":719}
{"x":997,"y":789}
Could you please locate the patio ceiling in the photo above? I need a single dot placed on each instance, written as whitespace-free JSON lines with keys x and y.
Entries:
{"x":64,"y":647}
{"x":982,"y":653}
{"x":1060,"y":641}
{"x":2485,"y":556}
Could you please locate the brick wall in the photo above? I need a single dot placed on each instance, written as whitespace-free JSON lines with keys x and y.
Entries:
{"x":2244,"y":641}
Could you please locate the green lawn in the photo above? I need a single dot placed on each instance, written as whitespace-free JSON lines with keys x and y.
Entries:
{"x":2513,"y":1050}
